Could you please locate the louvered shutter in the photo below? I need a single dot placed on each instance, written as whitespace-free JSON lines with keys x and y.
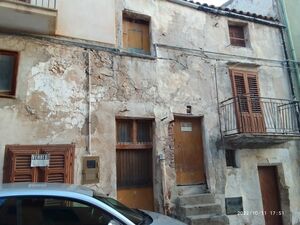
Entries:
{"x":254,"y":92}
{"x":17,"y":164}
{"x":247,"y":101}
{"x":240,"y":90}
{"x":61,"y":164}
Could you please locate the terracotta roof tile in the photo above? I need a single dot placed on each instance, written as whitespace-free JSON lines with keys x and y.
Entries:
{"x":206,"y":7}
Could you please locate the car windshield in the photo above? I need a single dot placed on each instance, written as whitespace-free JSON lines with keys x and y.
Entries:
{"x":136,"y":216}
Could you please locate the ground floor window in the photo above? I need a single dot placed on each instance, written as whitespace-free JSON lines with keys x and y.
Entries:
{"x":18,"y":163}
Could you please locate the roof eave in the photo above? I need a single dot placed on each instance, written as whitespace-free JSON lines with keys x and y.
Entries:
{"x":227,"y":13}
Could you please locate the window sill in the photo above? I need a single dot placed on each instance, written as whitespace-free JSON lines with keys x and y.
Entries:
{"x":135,"y":146}
{"x":136,"y":55}
{"x":7,"y":96}
{"x":240,"y":47}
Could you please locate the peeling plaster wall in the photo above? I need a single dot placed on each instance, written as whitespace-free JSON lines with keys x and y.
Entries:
{"x":51,"y":104}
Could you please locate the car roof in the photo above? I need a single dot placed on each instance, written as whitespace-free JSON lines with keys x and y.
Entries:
{"x":27,"y":188}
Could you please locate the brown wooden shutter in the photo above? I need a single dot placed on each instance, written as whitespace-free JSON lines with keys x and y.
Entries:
{"x":17,"y":162}
{"x":254,"y":92}
{"x":136,"y":35}
{"x":247,"y":100}
{"x":61,"y":164}
{"x":134,"y":168}
{"x":240,"y":90}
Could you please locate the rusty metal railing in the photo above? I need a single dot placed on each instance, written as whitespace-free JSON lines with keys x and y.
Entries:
{"x":245,"y":114}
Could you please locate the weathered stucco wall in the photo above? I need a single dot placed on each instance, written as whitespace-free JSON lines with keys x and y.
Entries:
{"x":244,"y":181}
{"x":292,"y":8}
{"x":51,"y":102}
{"x":89,"y":20}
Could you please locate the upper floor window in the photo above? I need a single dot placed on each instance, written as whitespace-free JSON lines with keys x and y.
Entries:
{"x":237,"y":35}
{"x":8,"y":73}
{"x":136,"y":36}
{"x":136,"y":132}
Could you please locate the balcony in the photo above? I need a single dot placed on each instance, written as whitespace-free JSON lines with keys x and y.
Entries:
{"x":255,"y":122}
{"x":28,"y":16}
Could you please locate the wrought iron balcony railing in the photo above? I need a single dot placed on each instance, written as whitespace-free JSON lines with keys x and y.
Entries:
{"x":256,"y":115}
{"x":51,"y":4}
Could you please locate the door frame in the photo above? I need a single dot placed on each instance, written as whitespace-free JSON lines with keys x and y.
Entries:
{"x":204,"y":143}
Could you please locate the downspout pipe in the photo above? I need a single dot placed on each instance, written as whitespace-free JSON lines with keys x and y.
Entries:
{"x":287,"y":64}
{"x":88,"y":74}
{"x":162,"y":161}
{"x":291,"y":45}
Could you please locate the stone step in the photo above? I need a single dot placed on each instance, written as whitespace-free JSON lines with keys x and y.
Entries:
{"x":200,"y":209}
{"x":192,"y":189}
{"x":207,"y":220}
{"x":207,"y":198}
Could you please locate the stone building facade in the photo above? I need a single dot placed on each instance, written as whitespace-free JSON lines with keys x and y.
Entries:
{"x":79,"y":89}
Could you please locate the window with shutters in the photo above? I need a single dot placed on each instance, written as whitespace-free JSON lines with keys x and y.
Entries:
{"x":247,"y":99}
{"x":134,"y":152}
{"x":237,"y":34}
{"x":136,"y":36}
{"x":18,"y":168}
{"x":8,"y":73}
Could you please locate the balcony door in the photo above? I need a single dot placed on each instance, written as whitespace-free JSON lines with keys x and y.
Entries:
{"x":247,"y":102}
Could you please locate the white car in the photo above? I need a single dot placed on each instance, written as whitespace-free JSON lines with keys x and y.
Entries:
{"x":63,"y":204}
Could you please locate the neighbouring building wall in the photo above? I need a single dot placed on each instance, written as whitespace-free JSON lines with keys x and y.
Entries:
{"x":271,"y":8}
{"x":190,"y":68}
{"x":267,"y":7}
{"x":293,"y":7}
{"x":244,"y":181}
{"x":91,"y":20}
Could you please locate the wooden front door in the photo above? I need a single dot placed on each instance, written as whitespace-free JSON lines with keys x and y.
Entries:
{"x":17,"y":164}
{"x":247,"y":102}
{"x":188,"y":151}
{"x":134,"y":163}
{"x":268,"y":179}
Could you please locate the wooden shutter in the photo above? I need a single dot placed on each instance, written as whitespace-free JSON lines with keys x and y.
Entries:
{"x":17,"y":164}
{"x":254,"y":92}
{"x":134,"y":168}
{"x":136,"y":35}
{"x":240,"y":91}
{"x":247,"y":99}
{"x":61,"y":164}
